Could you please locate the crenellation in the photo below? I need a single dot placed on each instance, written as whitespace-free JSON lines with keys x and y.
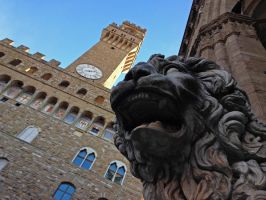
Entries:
{"x":23,"y":48}
{"x":54,"y":63}
{"x":7,"y":41}
{"x":38,"y":55}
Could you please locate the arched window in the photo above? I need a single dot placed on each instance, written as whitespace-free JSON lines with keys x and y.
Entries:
{"x":26,"y":94}
{"x":15,"y":62}
{"x":84,"y":121}
{"x":71,"y":115}
{"x":85,"y":158}
{"x":38,"y":100}
{"x":99,"y":99}
{"x":102,"y":198}
{"x":65,"y":191}
{"x":116,"y":172}
{"x":48,"y":108}
{"x":109,"y":131}
{"x":14,"y":89}
{"x":31,"y":70}
{"x":29,"y":134}
{"x":46,"y":76}
{"x":3,"y":163}
{"x":4,"y":79}
{"x":64,"y":84}
{"x":97,"y":125}
{"x":2,"y":54}
{"x":61,"y":110}
{"x":82,"y":92}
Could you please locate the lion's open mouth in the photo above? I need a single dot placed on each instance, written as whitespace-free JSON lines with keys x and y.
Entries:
{"x":146,"y":109}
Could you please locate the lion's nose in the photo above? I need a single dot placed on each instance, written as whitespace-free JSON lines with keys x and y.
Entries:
{"x":140,"y":70}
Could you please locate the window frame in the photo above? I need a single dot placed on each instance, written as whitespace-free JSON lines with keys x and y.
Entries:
{"x":28,"y":136}
{"x":119,"y":165}
{"x":69,"y":184}
{"x":89,"y":151}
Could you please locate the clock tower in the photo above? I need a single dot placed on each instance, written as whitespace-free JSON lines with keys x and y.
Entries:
{"x":112,"y":55}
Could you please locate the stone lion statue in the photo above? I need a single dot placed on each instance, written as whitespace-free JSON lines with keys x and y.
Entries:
{"x":188,"y":132}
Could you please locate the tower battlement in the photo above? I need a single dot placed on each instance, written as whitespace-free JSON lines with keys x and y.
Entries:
{"x":24,"y":49}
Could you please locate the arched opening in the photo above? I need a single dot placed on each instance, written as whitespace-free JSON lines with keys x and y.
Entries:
{"x":14,"y":89}
{"x":4,"y":79}
{"x":46,"y":76}
{"x":71,"y":115}
{"x":259,"y":15}
{"x":31,"y":70}
{"x":109,"y":131}
{"x":50,"y":104}
{"x":64,"y":191}
{"x":99,"y":100}
{"x":61,"y":110}
{"x":26,"y":95}
{"x":38,"y":100}
{"x":82,"y":92}
{"x":84,"y":121}
{"x":97,"y":125}
{"x":64,"y":84}
{"x":15,"y":62}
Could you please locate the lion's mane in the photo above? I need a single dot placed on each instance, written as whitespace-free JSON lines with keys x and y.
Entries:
{"x":227,"y":157}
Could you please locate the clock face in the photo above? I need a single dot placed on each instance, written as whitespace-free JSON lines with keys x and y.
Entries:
{"x":89,"y":71}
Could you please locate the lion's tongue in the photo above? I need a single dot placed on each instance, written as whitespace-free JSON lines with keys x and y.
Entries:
{"x":158,"y":125}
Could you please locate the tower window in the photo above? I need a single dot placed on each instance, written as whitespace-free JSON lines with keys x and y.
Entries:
{"x":46,"y":76}
{"x":31,"y":70}
{"x":85,"y":158}
{"x":64,"y":84}
{"x":2,"y":54}
{"x":29,"y":134}
{"x":82,"y":92}
{"x":65,"y":191}
{"x":116,"y":172}
{"x":15,"y":62}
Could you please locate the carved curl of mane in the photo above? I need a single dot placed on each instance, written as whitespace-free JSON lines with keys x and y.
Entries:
{"x":226,"y":155}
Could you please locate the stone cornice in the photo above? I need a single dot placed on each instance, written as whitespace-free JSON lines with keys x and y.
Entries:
{"x":190,"y":25}
{"x":221,"y":28}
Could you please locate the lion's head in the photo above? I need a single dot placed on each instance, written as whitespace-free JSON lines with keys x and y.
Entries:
{"x":188,"y":131}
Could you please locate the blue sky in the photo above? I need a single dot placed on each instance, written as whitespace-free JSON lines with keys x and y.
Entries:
{"x":64,"y":29}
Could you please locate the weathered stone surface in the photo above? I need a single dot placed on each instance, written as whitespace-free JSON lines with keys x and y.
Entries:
{"x":188,"y":131}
